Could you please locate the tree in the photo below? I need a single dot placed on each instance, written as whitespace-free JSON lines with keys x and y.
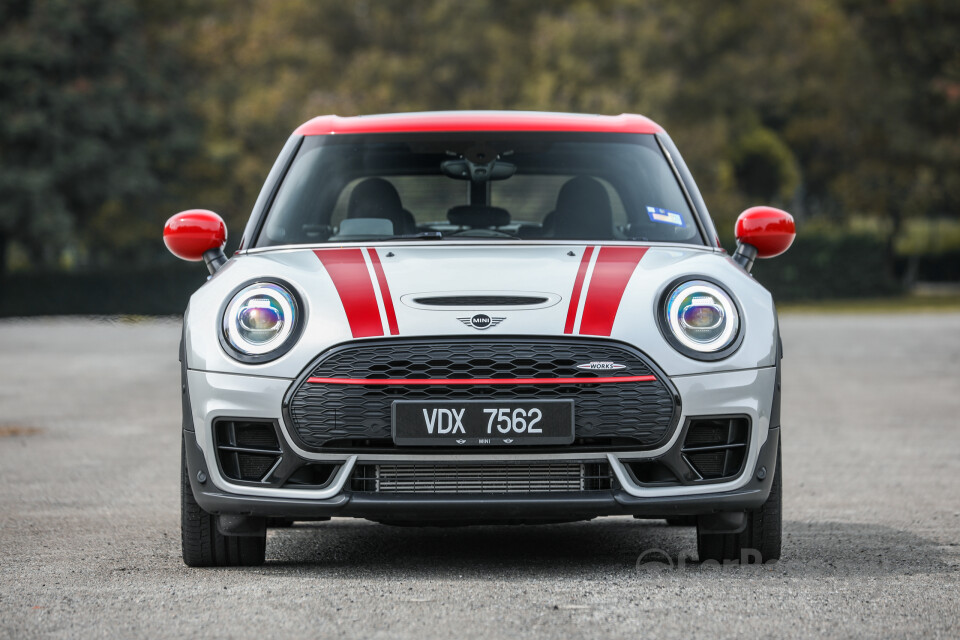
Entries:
{"x":906,"y":137}
{"x":826,"y":107}
{"x":90,"y":126}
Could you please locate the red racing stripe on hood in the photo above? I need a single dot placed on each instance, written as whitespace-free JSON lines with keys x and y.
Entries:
{"x":384,"y":292}
{"x":577,"y":287}
{"x":611,"y":273}
{"x":350,"y":275}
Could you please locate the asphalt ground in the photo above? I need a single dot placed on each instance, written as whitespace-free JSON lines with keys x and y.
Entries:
{"x":89,"y":514}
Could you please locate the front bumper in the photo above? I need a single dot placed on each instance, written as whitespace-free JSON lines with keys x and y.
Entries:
{"x":750,"y":393}
{"x":482,"y":508}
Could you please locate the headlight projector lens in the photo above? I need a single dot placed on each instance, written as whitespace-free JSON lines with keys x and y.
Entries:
{"x":702,"y":316}
{"x":260,"y":319}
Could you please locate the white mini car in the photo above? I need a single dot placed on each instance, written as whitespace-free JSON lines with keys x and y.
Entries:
{"x":476,"y":317}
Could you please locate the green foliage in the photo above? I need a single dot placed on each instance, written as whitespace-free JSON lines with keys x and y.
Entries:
{"x":116,"y":113}
{"x":90,"y":126}
{"x":154,"y":291}
{"x":907,"y":142}
{"x":764,"y":167}
{"x":703,"y":69}
{"x":828,"y":265}
{"x":929,"y":236}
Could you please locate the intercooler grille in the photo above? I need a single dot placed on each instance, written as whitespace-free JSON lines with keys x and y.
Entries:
{"x":431,"y":478}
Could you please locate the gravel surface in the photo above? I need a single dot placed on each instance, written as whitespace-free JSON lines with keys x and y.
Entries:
{"x":89,"y":514}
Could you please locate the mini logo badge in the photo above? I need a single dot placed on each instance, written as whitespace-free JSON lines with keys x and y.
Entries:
{"x":601,"y":366}
{"x":508,"y":440}
{"x":481,"y":321}
{"x":461,"y":441}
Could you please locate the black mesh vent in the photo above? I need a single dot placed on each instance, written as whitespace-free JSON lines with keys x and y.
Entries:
{"x":708,"y":465}
{"x":257,"y":436}
{"x":254,"y":467}
{"x":246,"y":451}
{"x":480,"y":301}
{"x":716,"y":448}
{"x":706,"y":434}
{"x":637,"y":414}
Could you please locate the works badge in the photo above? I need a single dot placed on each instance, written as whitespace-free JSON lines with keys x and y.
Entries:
{"x":481,"y":321}
{"x":601,"y":366}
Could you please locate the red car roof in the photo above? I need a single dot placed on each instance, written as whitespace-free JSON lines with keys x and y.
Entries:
{"x":478,"y":121}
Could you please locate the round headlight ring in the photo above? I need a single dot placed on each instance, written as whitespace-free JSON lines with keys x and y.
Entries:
{"x":700,"y":318}
{"x":261,"y":321}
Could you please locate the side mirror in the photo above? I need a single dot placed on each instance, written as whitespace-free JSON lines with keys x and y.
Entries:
{"x":763,"y":232}
{"x":197,"y":234}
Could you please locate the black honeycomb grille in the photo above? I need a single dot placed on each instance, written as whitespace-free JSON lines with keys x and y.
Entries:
{"x":636,"y":413}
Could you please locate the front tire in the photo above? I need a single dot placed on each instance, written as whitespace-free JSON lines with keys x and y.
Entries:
{"x":203,"y":544}
{"x":762,"y":534}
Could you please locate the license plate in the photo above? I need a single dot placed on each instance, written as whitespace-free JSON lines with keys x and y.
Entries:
{"x":468,"y":423}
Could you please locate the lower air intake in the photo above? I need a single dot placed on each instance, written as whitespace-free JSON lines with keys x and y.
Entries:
{"x":716,"y":448}
{"x":482,"y":478}
{"x":247,"y":451}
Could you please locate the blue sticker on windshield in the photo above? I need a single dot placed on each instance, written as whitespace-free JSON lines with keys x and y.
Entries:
{"x":662,"y":215}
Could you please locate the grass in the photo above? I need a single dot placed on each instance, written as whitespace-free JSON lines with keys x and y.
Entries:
{"x":898,"y":304}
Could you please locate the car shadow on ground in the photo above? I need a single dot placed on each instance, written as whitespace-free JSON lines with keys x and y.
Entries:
{"x":588,"y":549}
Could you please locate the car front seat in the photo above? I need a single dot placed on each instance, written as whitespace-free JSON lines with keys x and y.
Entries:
{"x":377,"y":198}
{"x":583,"y":211}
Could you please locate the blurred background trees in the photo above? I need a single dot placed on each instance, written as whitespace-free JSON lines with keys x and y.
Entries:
{"x":91,"y":130}
{"x":116,"y":113}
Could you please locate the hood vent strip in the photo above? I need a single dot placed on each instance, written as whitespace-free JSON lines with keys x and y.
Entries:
{"x":480,"y":301}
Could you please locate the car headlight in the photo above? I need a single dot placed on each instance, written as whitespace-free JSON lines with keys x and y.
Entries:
{"x":260,"y":320}
{"x":702,"y":317}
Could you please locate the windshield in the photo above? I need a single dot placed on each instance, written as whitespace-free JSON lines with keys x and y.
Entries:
{"x":491,"y":185}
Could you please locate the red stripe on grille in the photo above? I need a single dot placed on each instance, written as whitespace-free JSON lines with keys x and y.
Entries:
{"x":464,"y":381}
{"x":577,"y":286}
{"x":350,"y":276}
{"x":611,"y":273}
{"x":384,"y":292}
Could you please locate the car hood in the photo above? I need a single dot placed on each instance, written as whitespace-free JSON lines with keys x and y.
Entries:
{"x":475,"y":291}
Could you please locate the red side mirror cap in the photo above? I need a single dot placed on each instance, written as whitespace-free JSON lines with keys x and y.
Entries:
{"x":771,"y":231}
{"x":190,"y":234}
